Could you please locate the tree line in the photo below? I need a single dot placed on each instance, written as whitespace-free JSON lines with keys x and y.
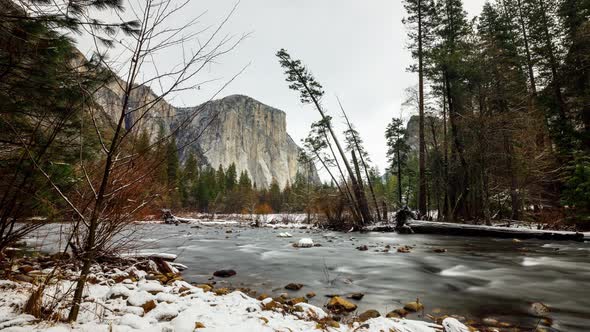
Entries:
{"x":503,"y":104}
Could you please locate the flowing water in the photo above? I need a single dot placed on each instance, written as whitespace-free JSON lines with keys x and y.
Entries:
{"x":476,"y":278}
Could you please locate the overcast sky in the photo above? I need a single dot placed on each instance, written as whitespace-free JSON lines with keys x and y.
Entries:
{"x":356,"y":50}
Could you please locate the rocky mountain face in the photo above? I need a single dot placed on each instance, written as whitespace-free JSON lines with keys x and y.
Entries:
{"x":432,"y":126}
{"x":236,"y":129}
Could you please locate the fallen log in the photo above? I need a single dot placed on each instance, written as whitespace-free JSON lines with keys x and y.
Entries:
{"x":442,"y":228}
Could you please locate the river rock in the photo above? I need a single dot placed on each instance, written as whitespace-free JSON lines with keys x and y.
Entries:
{"x":356,"y":296}
{"x":340,"y":305}
{"x":440,"y":250}
{"x":305,"y":243}
{"x":296,"y":300}
{"x":397,"y":313}
{"x":368,"y":315}
{"x":414,"y":306}
{"x":362,"y":248}
{"x":310,"y":295}
{"x":224,"y":273}
{"x":294,"y":287}
{"x":404,"y":249}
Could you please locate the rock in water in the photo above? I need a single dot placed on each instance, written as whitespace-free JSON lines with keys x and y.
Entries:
{"x":356,"y":296}
{"x":414,"y":306}
{"x":294,"y":287}
{"x":224,"y":273}
{"x":340,"y":305}
{"x":305,"y":243}
{"x":285,"y":234}
{"x":362,"y":248}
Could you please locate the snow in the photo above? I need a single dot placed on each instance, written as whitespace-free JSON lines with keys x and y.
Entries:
{"x":453,"y":325}
{"x":152,"y":287}
{"x":173,"y":312}
{"x":148,"y":254}
{"x":135,"y":322}
{"x":305,"y":243}
{"x":140,"y":298}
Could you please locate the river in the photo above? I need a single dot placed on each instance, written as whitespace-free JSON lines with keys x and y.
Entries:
{"x":476,"y":278}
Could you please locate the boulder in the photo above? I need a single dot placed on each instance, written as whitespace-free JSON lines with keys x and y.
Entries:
{"x":365,"y":316}
{"x":340,"y":305}
{"x":305,"y":243}
{"x":224,"y":273}
{"x":414,"y":306}
{"x":294,"y":287}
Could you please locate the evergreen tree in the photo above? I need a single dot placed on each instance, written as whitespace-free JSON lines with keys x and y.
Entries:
{"x":397,"y":153}
{"x":231,"y":177}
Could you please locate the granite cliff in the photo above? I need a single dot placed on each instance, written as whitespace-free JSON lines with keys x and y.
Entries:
{"x":236,"y":129}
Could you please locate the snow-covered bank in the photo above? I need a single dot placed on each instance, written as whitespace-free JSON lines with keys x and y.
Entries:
{"x":138,"y":300}
{"x":275,"y":221}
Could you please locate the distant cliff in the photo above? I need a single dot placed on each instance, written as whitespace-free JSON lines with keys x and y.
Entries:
{"x":246,"y":132}
{"x":236,"y":129}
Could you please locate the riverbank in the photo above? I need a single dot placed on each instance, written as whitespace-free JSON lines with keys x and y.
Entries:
{"x":141,"y":297}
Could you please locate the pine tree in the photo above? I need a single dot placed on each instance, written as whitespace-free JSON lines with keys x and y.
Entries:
{"x":421,"y":24}
{"x":397,"y":153}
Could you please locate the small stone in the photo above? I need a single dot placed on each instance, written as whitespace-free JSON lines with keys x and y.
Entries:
{"x":222,"y":291}
{"x":205,"y":287}
{"x":356,"y":296}
{"x":393,"y":314}
{"x":539,"y":309}
{"x":262,"y":297}
{"x":224,"y":273}
{"x":404,"y":249}
{"x":26,"y":268}
{"x":310,"y":295}
{"x":365,"y":316}
{"x":148,"y":306}
{"x":271,"y":305}
{"x":338,"y":305}
{"x":296,"y":300}
{"x":399,"y":312}
{"x":362,"y":248}
{"x":414,"y":306}
{"x":199,"y":325}
{"x":294,"y":287}
{"x":440,"y":250}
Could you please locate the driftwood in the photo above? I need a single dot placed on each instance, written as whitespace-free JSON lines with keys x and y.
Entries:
{"x":441,"y":228}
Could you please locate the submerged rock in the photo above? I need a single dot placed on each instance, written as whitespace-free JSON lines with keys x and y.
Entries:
{"x":294,"y":287}
{"x":356,"y":296}
{"x":362,"y":248}
{"x":224,"y":273}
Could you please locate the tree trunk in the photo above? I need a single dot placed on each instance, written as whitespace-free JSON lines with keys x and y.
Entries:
{"x":422,"y":154}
